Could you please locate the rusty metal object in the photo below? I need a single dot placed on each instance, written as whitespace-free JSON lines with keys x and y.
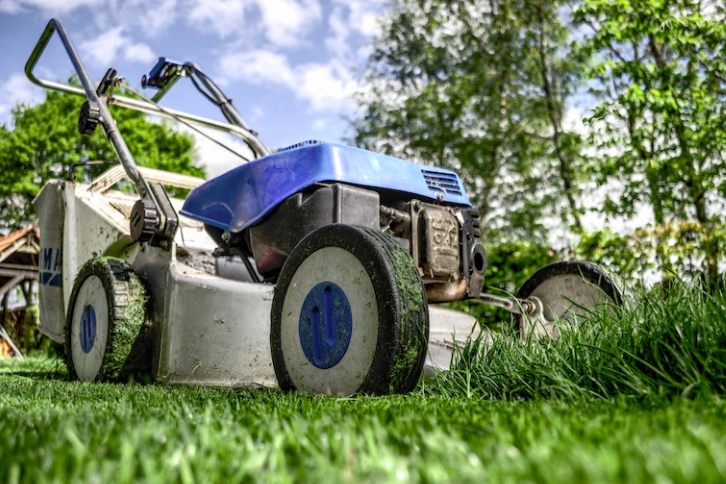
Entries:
{"x":435,"y":242}
{"x":446,"y":292}
{"x":441,"y":243}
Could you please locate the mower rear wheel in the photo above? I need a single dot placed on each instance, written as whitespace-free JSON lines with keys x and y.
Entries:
{"x":349,"y":315}
{"x":567,"y":291}
{"x":106,"y":337}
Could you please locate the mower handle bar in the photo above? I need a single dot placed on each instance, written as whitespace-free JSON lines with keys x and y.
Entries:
{"x":89,"y":91}
{"x":238,"y":130}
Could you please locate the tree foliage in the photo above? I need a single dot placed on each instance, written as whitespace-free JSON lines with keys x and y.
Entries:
{"x":485,"y":88}
{"x":43,"y":143}
{"x":480,"y":87}
{"x":658,"y":67}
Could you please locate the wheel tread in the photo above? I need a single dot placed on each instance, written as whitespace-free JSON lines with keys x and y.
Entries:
{"x":402,"y":307}
{"x":127,"y":353}
{"x":412,"y":337}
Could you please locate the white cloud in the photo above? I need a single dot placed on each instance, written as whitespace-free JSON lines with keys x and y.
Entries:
{"x":287,"y":21}
{"x":349,"y":17}
{"x":258,"y":67}
{"x":283,"y":23}
{"x":104,"y":49}
{"x":217,"y":159}
{"x":17,"y":89}
{"x":573,"y":120}
{"x":325,"y":86}
{"x":9,"y":6}
{"x":309,"y":47}
{"x":139,"y":53}
{"x":368,"y":24}
{"x":320,"y":124}
{"x":145,"y":18}
{"x":362,"y":15}
{"x":155,"y":18}
{"x":52,"y":7}
{"x":258,"y":113}
{"x":337,"y":42}
{"x":223,"y":17}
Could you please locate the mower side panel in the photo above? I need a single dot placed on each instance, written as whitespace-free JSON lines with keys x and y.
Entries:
{"x":51,"y":213}
{"x":76,"y":225}
{"x":216,"y":331}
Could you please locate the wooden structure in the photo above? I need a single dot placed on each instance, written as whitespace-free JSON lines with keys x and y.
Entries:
{"x":19,"y":257}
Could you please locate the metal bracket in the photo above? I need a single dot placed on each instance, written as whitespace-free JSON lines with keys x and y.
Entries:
{"x":530,"y":310}
{"x":511,"y":304}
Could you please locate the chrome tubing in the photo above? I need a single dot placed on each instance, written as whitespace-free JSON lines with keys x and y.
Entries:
{"x":239,"y":131}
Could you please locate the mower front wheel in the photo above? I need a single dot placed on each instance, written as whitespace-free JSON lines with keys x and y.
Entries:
{"x":349,"y":315}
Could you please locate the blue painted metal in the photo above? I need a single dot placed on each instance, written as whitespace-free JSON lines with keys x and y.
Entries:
{"x":326,"y":325}
{"x":244,"y":195}
{"x":88,"y":328}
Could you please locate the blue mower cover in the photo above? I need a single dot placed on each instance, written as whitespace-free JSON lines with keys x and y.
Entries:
{"x":246,"y":194}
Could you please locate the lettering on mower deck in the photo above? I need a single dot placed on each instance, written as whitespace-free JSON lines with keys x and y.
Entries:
{"x":50,"y":264}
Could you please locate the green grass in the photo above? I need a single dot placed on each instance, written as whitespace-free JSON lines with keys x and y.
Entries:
{"x":659,"y":346}
{"x":635,"y":397}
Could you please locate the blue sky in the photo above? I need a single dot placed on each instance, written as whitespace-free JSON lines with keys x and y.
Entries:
{"x":290,"y":66}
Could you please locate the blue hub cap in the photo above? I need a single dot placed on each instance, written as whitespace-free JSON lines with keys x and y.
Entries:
{"x":88,"y":328}
{"x":326,"y":325}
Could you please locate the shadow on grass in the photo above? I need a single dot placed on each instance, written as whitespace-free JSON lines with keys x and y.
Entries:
{"x":37,"y":367}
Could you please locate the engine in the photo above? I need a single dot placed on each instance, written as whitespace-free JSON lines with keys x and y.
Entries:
{"x":443,"y":240}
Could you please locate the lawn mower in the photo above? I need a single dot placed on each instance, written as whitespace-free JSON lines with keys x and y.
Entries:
{"x":317,"y":267}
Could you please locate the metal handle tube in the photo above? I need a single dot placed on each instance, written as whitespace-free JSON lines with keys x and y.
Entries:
{"x":155,"y":110}
{"x":237,"y":129}
{"x":245,"y":135}
{"x":228,"y":110}
{"x":118,"y":143}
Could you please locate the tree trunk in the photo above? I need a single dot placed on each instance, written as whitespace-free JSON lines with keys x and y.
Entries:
{"x":554,"y":110}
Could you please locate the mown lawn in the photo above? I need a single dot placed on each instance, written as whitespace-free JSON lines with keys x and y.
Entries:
{"x":629,"y":401}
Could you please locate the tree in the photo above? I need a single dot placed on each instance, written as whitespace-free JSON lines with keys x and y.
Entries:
{"x":482,"y":88}
{"x":658,"y":67}
{"x":43,"y":143}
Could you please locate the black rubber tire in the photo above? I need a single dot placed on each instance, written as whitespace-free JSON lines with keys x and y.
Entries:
{"x":109,"y":287}
{"x":589,"y":273}
{"x":396,"y":310}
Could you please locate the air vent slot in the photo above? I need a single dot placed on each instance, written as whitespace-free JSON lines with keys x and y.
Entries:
{"x":311,"y":142}
{"x":442,"y":182}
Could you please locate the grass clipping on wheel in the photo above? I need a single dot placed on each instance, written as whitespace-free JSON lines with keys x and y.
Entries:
{"x":662,"y":345}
